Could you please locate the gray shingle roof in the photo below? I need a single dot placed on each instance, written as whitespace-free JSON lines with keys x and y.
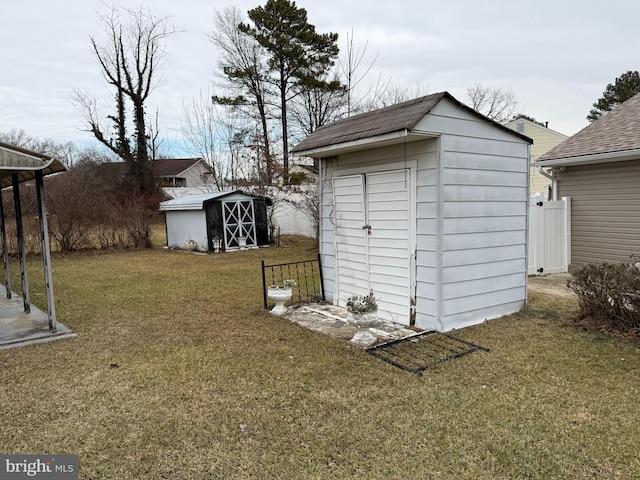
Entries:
{"x":616,"y":131}
{"x":395,"y":118}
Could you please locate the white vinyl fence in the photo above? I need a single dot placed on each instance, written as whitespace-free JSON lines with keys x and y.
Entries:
{"x":549,"y":235}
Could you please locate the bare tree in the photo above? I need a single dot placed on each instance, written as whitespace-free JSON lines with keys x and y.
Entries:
{"x":298,"y":56}
{"x":130,"y":61}
{"x":67,"y":152}
{"x":315,"y":107}
{"x":203,"y":125}
{"x":349,"y":67}
{"x":495,"y":103}
{"x":243,"y":64}
{"x":386,"y":94}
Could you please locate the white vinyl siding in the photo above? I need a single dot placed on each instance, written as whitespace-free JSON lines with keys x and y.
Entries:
{"x":467,"y":216}
{"x":544,"y":139}
{"x":483,"y":197}
{"x":372,"y":239}
{"x":427,"y":239}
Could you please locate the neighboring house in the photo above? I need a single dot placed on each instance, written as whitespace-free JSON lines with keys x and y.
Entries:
{"x":599,"y":168}
{"x":310,"y":171}
{"x":170,"y":172}
{"x":544,"y":139}
{"x":182,"y":172}
{"x":425,"y":203}
{"x":217,"y":221}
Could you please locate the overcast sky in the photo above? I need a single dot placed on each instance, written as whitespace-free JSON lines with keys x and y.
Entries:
{"x":556,"y":56}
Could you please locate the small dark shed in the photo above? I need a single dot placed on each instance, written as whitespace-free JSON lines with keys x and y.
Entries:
{"x":217,"y":221}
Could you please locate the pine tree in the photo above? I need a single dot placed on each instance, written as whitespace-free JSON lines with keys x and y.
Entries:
{"x":299,"y":57}
{"x":625,"y":87}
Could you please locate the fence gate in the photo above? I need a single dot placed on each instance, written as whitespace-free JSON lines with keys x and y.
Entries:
{"x":549,"y":235}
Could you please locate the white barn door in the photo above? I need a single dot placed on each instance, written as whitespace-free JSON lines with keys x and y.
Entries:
{"x":373,"y":213}
{"x":239,"y":221}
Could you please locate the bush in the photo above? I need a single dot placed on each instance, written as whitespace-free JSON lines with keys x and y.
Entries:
{"x":609,"y":295}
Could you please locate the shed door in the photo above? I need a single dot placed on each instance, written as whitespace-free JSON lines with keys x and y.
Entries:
{"x":373,"y":214}
{"x":238,"y":222}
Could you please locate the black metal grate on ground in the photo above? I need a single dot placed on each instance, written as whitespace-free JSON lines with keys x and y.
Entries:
{"x":418,"y":352}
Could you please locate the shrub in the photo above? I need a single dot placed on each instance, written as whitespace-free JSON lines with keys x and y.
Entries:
{"x":609,"y":295}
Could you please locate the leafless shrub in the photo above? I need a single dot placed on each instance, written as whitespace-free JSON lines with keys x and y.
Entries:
{"x":135,"y":222}
{"x":310,"y":206}
{"x":609,"y":295}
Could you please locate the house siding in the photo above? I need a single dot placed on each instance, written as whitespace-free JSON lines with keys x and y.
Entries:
{"x":195,"y":175}
{"x":544,"y":139}
{"x":483,"y":211}
{"x":605,"y":211}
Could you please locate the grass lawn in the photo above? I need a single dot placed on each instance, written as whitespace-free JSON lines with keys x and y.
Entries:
{"x":177,"y":373}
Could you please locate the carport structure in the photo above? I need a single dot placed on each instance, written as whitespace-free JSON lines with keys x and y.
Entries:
{"x":19,"y":324}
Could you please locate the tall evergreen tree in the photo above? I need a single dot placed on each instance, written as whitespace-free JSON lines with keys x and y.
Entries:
{"x":625,"y":87}
{"x":299,"y":57}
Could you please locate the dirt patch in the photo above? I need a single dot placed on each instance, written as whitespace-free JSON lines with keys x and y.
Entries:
{"x":554,"y":284}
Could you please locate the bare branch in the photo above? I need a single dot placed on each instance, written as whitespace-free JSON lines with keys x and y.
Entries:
{"x":495,"y":103}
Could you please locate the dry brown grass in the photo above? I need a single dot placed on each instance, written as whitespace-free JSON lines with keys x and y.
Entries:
{"x":177,"y":373}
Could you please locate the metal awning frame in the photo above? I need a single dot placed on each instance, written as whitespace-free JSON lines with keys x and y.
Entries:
{"x":19,"y":165}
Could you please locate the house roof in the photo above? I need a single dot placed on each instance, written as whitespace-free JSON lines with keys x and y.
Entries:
{"x":25,"y":163}
{"x":309,"y":168}
{"x":198,"y":201}
{"x":541,"y":127}
{"x":163,"y":167}
{"x":399,"y":119}
{"x":171,"y":167}
{"x":613,"y":137}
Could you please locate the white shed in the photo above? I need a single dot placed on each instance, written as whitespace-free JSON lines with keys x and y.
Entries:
{"x":221,"y":219}
{"x":425,"y":203}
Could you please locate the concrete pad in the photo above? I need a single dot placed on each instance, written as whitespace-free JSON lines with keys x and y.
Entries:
{"x":331,"y":320}
{"x":18,"y":328}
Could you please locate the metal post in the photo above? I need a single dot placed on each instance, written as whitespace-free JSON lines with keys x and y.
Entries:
{"x":264,"y":286}
{"x":321,"y":278}
{"x":46,"y":253}
{"x":21,"y":250}
{"x":5,"y":250}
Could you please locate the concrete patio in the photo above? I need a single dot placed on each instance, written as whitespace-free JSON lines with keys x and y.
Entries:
{"x":18,"y":328}
{"x":331,"y":320}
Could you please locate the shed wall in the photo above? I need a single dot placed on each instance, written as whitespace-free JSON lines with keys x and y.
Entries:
{"x":481,"y":220}
{"x":186,"y":225}
{"x":605,"y":211}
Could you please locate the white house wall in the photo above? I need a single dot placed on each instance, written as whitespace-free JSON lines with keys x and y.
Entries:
{"x":195,"y":175}
{"x":186,"y":225}
{"x":481,"y":220}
